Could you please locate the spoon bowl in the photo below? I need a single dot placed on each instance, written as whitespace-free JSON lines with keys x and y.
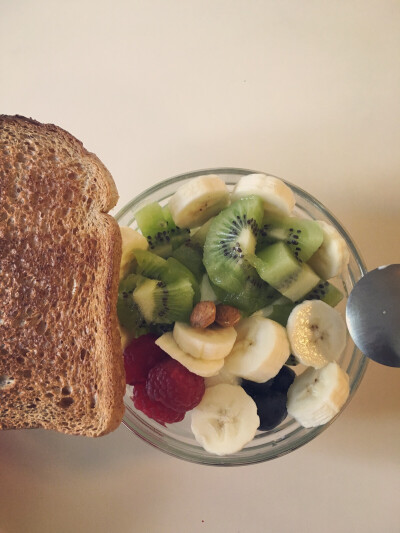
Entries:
{"x":373,"y":315}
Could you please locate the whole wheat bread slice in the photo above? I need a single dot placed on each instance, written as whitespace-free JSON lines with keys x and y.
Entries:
{"x":61,"y":364}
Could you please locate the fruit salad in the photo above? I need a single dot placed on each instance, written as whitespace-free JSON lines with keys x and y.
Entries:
{"x":227,"y":311}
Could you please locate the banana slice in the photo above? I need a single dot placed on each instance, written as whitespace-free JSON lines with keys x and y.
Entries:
{"x":131,"y":240}
{"x":209,"y":343}
{"x":317,"y":333}
{"x":225,"y":420}
{"x":316,"y":396}
{"x":198,"y":200}
{"x":201,"y":367}
{"x":332,"y":256}
{"x":260,"y":350}
{"x":276,"y":195}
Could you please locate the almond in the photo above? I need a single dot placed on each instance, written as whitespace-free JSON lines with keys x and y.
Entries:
{"x":203,"y":314}
{"x":227,"y":316}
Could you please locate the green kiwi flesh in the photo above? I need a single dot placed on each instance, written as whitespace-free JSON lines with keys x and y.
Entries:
{"x":254,"y":295}
{"x":207,"y":293}
{"x":176,"y":271}
{"x":164,"y":303}
{"x":166,"y":213}
{"x":280,"y":312}
{"x":168,"y":270}
{"x":251,"y":259}
{"x":277,"y":266}
{"x":190,"y":254}
{"x":198,"y":236}
{"x":304,"y":237}
{"x":128,"y":313}
{"x":231,"y":235}
{"x":151,"y":219}
{"x":150,"y":265}
{"x":156,"y":224}
{"x":325,"y":291}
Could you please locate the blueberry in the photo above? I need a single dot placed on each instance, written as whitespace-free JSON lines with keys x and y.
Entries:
{"x":282,"y":381}
{"x":271,"y":408}
{"x":270,"y":397}
{"x":253,"y":389}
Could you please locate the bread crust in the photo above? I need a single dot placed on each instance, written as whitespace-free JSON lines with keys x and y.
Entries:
{"x":61,"y":364}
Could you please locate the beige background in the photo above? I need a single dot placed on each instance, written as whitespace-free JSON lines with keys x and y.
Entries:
{"x":307,"y":90}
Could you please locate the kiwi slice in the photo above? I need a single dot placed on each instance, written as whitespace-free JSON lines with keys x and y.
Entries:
{"x":156,"y":224}
{"x":128,"y":313}
{"x":278,"y":267}
{"x":151,"y":219}
{"x":168,"y":270}
{"x":280,"y":312}
{"x":176,"y":271}
{"x":254,"y":295}
{"x":232,"y":234}
{"x":198,"y":236}
{"x":164,"y":303}
{"x":326,"y":292}
{"x":303,"y":237}
{"x":190,"y":254}
{"x":166,"y":213}
{"x":150,"y":265}
{"x":207,"y":293}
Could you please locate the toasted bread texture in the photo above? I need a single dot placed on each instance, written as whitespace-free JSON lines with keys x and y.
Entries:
{"x":61,"y":364}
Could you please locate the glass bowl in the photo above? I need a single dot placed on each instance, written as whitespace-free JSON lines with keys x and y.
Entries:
{"x":177,"y":439}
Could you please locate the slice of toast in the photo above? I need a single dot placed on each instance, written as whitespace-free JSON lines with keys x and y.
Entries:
{"x":61,"y":364}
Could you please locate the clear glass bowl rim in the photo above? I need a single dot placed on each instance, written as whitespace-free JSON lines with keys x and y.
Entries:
{"x":171,"y":446}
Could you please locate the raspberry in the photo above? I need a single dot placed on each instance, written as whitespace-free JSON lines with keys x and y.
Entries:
{"x":174,"y":386}
{"x":140,"y":356}
{"x":155,"y":410}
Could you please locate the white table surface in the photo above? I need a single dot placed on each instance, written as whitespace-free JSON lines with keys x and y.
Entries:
{"x":307,"y":90}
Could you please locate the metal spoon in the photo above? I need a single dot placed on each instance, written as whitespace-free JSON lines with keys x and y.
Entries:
{"x":373,"y":315}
